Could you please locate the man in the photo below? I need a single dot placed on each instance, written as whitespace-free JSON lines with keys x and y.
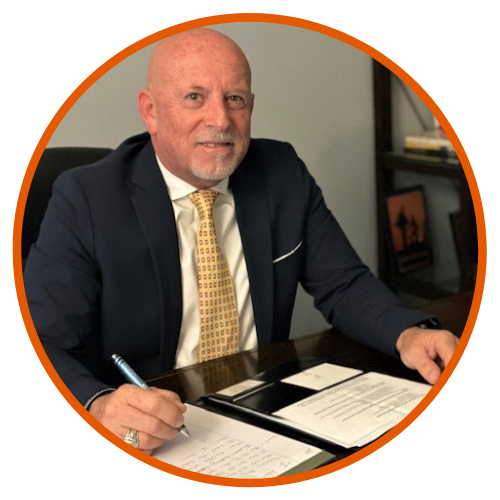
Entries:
{"x":115,"y":268}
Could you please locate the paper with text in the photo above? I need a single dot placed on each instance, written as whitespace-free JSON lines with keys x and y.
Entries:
{"x":358,"y":411}
{"x":220,"y":446}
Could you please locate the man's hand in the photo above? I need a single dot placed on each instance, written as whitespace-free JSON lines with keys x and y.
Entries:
{"x":156,"y":414}
{"x":427,"y":351}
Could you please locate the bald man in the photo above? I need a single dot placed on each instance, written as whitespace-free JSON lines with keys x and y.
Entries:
{"x":115,"y":267}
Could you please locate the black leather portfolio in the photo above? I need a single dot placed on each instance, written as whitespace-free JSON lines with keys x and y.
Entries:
{"x":335,"y":408}
{"x":255,"y":400}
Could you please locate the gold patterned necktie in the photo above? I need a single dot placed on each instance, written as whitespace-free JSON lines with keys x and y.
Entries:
{"x":219,"y":326}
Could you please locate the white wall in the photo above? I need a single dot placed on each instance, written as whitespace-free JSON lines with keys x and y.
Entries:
{"x":311,"y":90}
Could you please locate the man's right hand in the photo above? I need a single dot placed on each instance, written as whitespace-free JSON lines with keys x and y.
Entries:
{"x":156,"y":414}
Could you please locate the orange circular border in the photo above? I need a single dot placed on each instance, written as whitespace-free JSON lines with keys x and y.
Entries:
{"x":274,"y":19}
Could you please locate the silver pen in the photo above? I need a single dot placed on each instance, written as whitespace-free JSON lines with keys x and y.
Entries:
{"x":127,"y":371}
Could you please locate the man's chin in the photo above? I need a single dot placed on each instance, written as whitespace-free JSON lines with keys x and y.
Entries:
{"x":213,"y":173}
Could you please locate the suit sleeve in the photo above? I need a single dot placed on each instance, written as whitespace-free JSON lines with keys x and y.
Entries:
{"x":348,"y":295}
{"x":63,"y":288}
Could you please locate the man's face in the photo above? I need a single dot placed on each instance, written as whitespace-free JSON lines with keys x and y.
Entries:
{"x":199,"y":114}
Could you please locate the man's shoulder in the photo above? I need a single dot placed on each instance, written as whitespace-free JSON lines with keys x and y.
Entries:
{"x":117,"y":164}
{"x":271,"y":154}
{"x":270,"y":146}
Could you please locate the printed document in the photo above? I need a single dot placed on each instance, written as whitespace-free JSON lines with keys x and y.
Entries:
{"x":357,"y":411}
{"x":220,"y":446}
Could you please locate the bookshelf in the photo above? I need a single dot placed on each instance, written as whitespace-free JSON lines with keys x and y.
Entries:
{"x":423,"y":282}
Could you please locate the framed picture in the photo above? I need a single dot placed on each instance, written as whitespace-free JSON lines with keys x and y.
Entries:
{"x":409,"y":230}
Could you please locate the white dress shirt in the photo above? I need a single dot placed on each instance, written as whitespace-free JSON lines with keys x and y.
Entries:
{"x":229,"y":240}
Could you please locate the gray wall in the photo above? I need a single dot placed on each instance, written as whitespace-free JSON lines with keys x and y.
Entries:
{"x":312,"y":91}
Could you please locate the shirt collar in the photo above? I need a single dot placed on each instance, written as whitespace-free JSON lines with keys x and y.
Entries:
{"x":178,"y":188}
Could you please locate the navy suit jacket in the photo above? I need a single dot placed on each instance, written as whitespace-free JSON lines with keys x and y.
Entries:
{"x":104,"y":275}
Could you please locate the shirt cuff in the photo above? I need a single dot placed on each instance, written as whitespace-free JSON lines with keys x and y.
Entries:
{"x":95,"y":396}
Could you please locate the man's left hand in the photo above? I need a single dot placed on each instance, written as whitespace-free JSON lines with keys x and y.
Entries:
{"x":427,"y":351}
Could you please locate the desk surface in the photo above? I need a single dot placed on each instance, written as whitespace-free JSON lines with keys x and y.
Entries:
{"x":193,"y":381}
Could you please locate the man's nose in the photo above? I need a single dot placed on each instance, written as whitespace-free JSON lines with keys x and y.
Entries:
{"x":217,"y":114}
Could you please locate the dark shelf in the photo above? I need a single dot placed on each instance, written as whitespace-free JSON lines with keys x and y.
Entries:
{"x":425,"y":164}
{"x":387,"y":162}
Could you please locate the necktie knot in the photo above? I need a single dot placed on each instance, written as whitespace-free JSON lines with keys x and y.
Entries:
{"x":204,"y":202}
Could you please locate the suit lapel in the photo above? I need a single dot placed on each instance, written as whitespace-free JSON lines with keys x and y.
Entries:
{"x":254,"y":225}
{"x":154,"y":211}
{"x":156,"y":217}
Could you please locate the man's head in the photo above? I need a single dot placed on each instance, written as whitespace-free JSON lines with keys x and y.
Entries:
{"x":198,"y":105}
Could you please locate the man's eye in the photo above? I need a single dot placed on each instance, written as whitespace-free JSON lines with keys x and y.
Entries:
{"x":236,"y":101}
{"x":193,"y":100}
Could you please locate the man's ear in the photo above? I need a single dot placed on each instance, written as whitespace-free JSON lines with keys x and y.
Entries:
{"x":147,"y":110}
{"x":252,"y":100}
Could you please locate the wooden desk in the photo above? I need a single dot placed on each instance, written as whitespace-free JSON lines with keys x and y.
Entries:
{"x":193,"y":381}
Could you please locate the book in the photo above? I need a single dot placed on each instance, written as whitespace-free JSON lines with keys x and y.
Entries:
{"x":430,"y":142}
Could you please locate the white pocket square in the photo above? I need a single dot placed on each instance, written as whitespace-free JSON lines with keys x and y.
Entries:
{"x":288,"y":254}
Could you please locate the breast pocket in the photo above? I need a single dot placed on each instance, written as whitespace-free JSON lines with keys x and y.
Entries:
{"x":287,"y":255}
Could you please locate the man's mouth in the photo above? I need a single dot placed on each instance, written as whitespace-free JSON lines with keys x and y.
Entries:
{"x":219,"y":140}
{"x":216,"y":145}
